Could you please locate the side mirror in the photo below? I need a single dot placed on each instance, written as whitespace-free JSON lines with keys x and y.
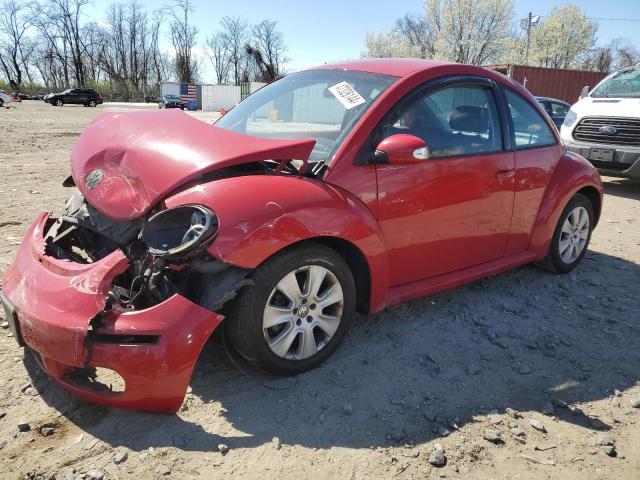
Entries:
{"x":584,"y":92}
{"x":401,"y":149}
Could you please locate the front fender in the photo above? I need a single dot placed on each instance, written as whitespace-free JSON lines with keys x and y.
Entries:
{"x":572,"y":174}
{"x":260,"y":215}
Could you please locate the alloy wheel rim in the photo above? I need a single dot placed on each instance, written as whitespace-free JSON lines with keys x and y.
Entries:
{"x":574,"y":235}
{"x":303,"y":312}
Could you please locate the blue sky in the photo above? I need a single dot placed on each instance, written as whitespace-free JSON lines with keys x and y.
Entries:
{"x":327,"y":30}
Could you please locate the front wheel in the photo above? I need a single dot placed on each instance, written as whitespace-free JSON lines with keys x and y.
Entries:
{"x":297,"y":312}
{"x":59,"y":103}
{"x":571,"y":236}
{"x":1,"y":102}
{"x":92,"y":103}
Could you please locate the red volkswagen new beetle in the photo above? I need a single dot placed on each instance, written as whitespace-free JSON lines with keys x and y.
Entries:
{"x":347,"y":187}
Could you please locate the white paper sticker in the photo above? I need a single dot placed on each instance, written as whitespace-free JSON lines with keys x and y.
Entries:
{"x":346,"y":95}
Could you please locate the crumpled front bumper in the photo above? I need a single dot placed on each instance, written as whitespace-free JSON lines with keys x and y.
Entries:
{"x":153,"y":350}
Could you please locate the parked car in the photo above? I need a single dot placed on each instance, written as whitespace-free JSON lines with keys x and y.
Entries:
{"x":350,"y":187}
{"x":171,"y":101}
{"x":556,"y":109}
{"x":79,"y":96}
{"x":604,"y":125}
{"x":5,"y":98}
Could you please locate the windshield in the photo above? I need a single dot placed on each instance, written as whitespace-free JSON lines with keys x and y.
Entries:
{"x":622,"y":84}
{"x":323,"y":105}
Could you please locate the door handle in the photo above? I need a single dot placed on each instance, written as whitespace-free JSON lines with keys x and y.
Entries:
{"x":505,"y":173}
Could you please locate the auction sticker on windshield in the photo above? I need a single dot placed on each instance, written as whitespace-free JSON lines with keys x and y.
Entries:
{"x":346,"y":95}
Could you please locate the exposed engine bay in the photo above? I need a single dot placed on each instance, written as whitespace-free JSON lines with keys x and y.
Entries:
{"x":166,"y":250}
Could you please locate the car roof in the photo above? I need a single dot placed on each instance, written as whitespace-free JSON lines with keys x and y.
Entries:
{"x":398,"y":67}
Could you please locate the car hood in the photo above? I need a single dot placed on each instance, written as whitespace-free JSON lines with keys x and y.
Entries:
{"x":608,"y":107}
{"x":125,"y":163}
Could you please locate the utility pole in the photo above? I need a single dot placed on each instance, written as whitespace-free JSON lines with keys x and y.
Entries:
{"x":526,"y":23}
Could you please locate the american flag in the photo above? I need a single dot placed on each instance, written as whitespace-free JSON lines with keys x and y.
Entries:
{"x":187,"y":92}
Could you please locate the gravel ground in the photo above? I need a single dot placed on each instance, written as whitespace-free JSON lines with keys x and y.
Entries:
{"x":524,"y":375}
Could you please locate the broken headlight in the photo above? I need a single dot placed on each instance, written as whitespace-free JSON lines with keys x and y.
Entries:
{"x":179,"y":231}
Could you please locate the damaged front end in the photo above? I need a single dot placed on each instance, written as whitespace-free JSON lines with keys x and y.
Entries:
{"x":136,"y":299}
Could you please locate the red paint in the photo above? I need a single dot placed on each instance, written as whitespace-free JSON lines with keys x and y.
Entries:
{"x":421,"y":226}
{"x":400,"y":149}
{"x":145,"y":155}
{"x":56,"y":300}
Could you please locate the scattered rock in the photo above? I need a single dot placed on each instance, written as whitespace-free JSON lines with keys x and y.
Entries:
{"x":635,"y":402}
{"x":495,"y":419}
{"x":537,"y":425}
{"x":517,"y":432}
{"x":606,"y":440}
{"x":47,"y":431}
{"x":493,"y":436}
{"x":25,"y":387}
{"x":513,"y":413}
{"x":277,"y":444}
{"x":443,"y":431}
{"x":163,"y":469}
{"x":610,"y":450}
{"x":120,"y":457}
{"x":94,"y":474}
{"x":4,"y":325}
{"x":223,"y":449}
{"x":24,"y":426}
{"x":437,"y":457}
{"x":560,"y":403}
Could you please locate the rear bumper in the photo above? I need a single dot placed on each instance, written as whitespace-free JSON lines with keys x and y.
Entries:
{"x":57,"y":304}
{"x":625,"y":163}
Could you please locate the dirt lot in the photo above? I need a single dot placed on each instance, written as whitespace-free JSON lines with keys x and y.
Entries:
{"x":561,"y":350}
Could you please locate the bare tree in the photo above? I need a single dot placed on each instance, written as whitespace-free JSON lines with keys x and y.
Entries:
{"x":220,"y":57}
{"x":14,"y":23}
{"x":235,"y":34}
{"x":183,"y":36}
{"x":267,"y":48}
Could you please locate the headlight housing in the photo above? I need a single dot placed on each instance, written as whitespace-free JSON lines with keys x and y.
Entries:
{"x":570,"y":118}
{"x":179,"y":231}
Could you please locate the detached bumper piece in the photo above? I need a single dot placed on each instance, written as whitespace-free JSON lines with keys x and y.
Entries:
{"x":59,"y":312}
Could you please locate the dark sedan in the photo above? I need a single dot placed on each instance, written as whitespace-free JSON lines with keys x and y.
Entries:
{"x":556,"y":109}
{"x":171,"y":101}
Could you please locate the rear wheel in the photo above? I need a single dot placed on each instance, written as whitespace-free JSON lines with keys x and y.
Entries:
{"x":92,"y":103}
{"x":571,"y":236}
{"x":298,"y":311}
{"x":1,"y":102}
{"x":59,"y":102}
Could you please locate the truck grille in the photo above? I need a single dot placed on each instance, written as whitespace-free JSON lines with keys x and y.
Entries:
{"x":627,"y":131}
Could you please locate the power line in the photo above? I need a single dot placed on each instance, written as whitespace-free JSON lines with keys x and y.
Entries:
{"x":615,"y":19}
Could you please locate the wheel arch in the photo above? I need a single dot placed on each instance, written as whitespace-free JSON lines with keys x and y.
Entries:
{"x":573,"y":175}
{"x":280,"y":212}
{"x":596,"y":201}
{"x":353,"y":257}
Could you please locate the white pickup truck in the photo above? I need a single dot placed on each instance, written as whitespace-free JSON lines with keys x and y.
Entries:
{"x":604,"y":126}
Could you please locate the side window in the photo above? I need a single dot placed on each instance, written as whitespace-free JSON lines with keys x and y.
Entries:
{"x":559,"y":109}
{"x":530,"y":129}
{"x":457,"y":120}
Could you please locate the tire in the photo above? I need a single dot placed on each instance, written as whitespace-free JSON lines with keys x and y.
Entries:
{"x":557,"y":259}
{"x":1,"y":102}
{"x":246,"y":314}
{"x":92,"y":103}
{"x":59,"y":103}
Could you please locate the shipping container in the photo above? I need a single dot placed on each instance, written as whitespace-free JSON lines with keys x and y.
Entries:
{"x":557,"y":83}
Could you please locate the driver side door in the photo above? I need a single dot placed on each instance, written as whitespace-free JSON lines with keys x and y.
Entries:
{"x":453,"y":210}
